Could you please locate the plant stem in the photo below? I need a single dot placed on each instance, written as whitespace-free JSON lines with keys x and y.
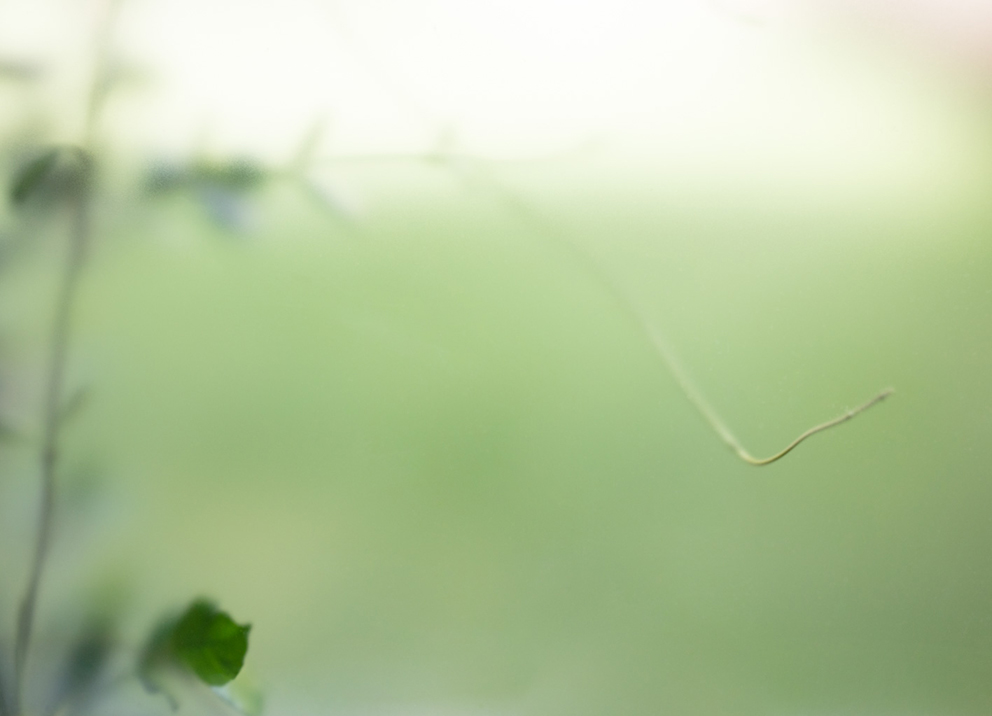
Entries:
{"x":714,"y":420}
{"x":58,"y":353}
{"x":472,"y":172}
{"x":79,"y":238}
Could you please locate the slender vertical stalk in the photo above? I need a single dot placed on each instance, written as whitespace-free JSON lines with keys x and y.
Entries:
{"x":58,"y":353}
{"x":78,"y":240}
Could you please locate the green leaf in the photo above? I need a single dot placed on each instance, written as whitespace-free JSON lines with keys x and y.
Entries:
{"x":57,"y":174}
{"x":210,"y":643}
{"x":32,"y":175}
{"x":203,"y":640}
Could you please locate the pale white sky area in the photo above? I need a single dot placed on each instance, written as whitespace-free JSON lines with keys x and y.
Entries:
{"x":712,"y":85}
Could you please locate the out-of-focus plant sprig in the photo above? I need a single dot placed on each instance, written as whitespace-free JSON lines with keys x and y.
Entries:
{"x":202,"y":645}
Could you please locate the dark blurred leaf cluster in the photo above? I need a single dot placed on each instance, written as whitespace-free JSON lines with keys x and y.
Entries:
{"x":55,"y":176}
{"x":223,"y":189}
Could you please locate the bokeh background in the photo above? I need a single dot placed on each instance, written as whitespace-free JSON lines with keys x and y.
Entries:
{"x":379,"y":404}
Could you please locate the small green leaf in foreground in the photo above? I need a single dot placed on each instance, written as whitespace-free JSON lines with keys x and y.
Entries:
{"x":210,"y":643}
{"x":203,"y":639}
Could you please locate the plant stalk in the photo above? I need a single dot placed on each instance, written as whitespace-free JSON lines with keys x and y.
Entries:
{"x":472,"y":172}
{"x":51,"y":428}
{"x":79,"y":238}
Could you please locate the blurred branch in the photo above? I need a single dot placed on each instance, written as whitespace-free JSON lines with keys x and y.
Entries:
{"x":79,"y":237}
{"x":472,"y":172}
{"x":61,"y":330}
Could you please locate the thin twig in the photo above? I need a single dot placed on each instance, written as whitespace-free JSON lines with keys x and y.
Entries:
{"x":472,"y":172}
{"x":79,"y":236}
{"x":61,"y":330}
{"x":720,"y":427}
{"x":552,"y":234}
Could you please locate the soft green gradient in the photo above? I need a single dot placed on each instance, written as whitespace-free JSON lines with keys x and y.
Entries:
{"x":437,"y":469}
{"x":426,"y":455}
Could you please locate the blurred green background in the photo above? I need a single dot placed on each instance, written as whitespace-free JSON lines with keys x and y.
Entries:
{"x":421,"y":449}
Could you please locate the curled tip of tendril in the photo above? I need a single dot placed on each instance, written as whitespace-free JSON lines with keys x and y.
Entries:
{"x":847,"y":415}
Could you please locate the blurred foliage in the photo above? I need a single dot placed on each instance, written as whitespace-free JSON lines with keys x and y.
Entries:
{"x":453,"y":479}
{"x":202,"y":640}
{"x":203,"y":644}
{"x":57,"y":175}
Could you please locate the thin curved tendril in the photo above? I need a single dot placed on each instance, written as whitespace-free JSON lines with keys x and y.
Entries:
{"x":473,"y":172}
{"x":554,"y":236}
{"x":720,"y":428}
